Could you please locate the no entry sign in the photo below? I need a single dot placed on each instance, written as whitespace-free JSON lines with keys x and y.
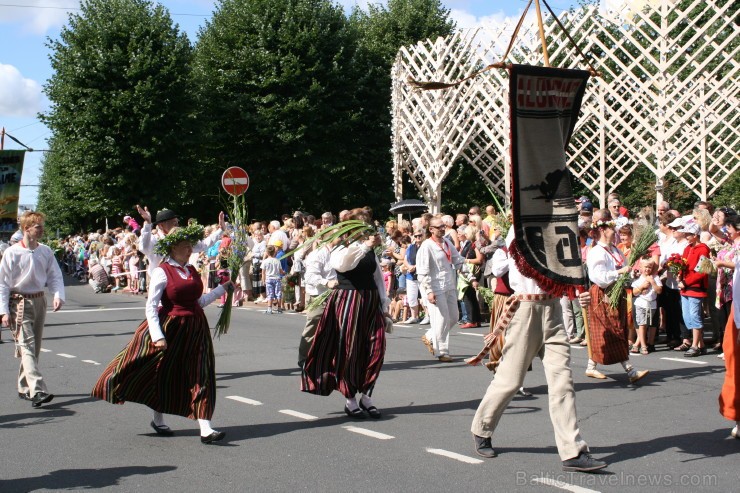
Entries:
{"x":235,"y":181}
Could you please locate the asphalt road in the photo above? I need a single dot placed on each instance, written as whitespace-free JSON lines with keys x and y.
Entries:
{"x":663,"y":435}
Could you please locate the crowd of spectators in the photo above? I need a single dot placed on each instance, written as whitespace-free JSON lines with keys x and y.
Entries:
{"x":111,"y":262}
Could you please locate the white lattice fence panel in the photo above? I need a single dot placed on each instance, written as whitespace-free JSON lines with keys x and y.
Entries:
{"x":668,"y":100}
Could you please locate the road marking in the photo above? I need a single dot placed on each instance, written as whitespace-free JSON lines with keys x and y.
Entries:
{"x":564,"y":486}
{"x":65,"y":355}
{"x":90,"y":361}
{"x":62,"y":312}
{"x":45,"y":350}
{"x":244,"y":400}
{"x":366,"y":432}
{"x":471,"y":334}
{"x":686,"y":360}
{"x":453,"y":455}
{"x":577,"y":346}
{"x":296,"y":414}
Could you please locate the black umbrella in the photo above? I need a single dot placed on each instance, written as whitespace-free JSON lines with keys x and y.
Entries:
{"x":408,"y":206}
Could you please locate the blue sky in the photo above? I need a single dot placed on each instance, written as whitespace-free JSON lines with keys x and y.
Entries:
{"x":24,"y":59}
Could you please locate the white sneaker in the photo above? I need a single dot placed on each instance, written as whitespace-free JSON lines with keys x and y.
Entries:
{"x":268,"y":311}
{"x":425,"y":321}
{"x":412,"y":321}
{"x":735,"y":433}
{"x":260,"y":300}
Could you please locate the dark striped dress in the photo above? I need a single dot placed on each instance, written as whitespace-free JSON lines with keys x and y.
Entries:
{"x":349,"y":347}
{"x":181,"y":379}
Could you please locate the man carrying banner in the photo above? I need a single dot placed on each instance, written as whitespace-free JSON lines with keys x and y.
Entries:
{"x":25,"y":269}
{"x":545,"y":261}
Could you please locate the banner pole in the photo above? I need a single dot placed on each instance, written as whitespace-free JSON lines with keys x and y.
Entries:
{"x":542,"y":33}
{"x":2,"y":139}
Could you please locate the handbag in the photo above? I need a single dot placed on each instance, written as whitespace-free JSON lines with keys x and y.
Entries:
{"x":462,"y":285}
{"x":388,"y":325}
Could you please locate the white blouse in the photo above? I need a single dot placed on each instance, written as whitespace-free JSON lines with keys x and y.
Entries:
{"x":344,"y":259}
{"x":157,"y":285}
{"x":603,"y":262}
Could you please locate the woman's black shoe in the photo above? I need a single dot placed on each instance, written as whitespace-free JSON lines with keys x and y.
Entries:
{"x":372,"y":411}
{"x":162,"y":430}
{"x":213,"y":437}
{"x":356,"y":414}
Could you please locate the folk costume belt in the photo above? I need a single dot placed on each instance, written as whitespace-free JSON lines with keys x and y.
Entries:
{"x":511,"y":305}
{"x":20,"y":307}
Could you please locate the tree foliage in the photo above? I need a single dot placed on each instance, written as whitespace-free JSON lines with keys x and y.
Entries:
{"x":275,"y":96}
{"x":120,"y":115}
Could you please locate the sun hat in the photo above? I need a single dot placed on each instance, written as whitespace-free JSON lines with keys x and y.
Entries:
{"x":677,"y":223}
{"x":165,"y":215}
{"x":690,"y":228}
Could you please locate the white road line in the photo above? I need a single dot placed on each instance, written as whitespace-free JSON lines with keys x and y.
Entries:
{"x":90,"y":361}
{"x":65,"y":355}
{"x":564,"y":486}
{"x":244,"y":400}
{"x":369,"y":433}
{"x":453,"y":455}
{"x":296,"y":414}
{"x":45,"y":350}
{"x":63,"y":311}
{"x":577,"y":346}
{"x":471,"y":334}
{"x":686,"y":360}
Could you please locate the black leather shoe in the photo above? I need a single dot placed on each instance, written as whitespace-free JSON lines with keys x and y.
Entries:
{"x":356,"y":414}
{"x":372,"y":411}
{"x":41,"y":398}
{"x":483,"y":447}
{"x":162,"y":430}
{"x":583,"y":463}
{"x":216,"y":436}
{"x":24,"y":397}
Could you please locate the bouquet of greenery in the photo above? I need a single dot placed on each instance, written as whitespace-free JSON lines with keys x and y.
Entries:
{"x":645,"y":237}
{"x":234,"y":256}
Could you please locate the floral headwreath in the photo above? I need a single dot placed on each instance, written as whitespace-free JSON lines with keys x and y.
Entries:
{"x":604,"y":224}
{"x":192,"y":233}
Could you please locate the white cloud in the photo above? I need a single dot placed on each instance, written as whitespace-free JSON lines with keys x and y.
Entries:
{"x":38,"y":16}
{"x":18,"y":96}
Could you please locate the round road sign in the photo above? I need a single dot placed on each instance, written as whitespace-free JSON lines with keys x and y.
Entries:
{"x":235,"y":181}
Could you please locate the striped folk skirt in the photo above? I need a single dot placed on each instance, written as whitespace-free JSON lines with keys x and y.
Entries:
{"x":180,"y":380}
{"x":494,"y":356}
{"x":607,"y":329}
{"x":349,"y":346}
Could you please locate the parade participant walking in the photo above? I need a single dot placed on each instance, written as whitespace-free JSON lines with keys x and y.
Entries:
{"x":535,"y":329}
{"x":25,"y":269}
{"x":607,"y":326}
{"x":165,"y":220}
{"x":319,"y":277}
{"x":169,"y":364}
{"x":436,"y":265}
{"x":349,"y":346}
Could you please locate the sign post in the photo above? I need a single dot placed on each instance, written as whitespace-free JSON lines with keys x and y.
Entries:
{"x":235,"y":181}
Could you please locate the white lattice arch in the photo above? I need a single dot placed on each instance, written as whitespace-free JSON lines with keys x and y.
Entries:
{"x":669,"y":99}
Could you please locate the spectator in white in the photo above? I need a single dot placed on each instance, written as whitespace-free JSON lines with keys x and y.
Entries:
{"x":617,"y":217}
{"x":277,"y":234}
{"x":412,"y":284}
{"x":99,"y":279}
{"x":25,"y":269}
{"x":319,"y":277}
{"x":327,"y":220}
{"x":436,"y":263}
{"x":450,"y":231}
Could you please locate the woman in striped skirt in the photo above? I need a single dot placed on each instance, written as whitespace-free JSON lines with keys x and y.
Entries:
{"x":349,"y":346}
{"x":169,"y":363}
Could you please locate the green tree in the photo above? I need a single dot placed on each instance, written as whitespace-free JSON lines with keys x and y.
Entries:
{"x":382,"y":31}
{"x":276,"y":97}
{"x":121,"y":114}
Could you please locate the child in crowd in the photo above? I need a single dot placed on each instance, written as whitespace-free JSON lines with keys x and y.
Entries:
{"x":385,"y":266}
{"x":116,"y":267}
{"x":272,"y":272}
{"x":645,"y":290}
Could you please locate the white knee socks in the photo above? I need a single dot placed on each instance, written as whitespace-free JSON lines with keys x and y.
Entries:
{"x":158,"y":419}
{"x":205,"y":427}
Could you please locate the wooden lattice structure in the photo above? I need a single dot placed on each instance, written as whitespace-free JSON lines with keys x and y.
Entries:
{"x":669,"y":98}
